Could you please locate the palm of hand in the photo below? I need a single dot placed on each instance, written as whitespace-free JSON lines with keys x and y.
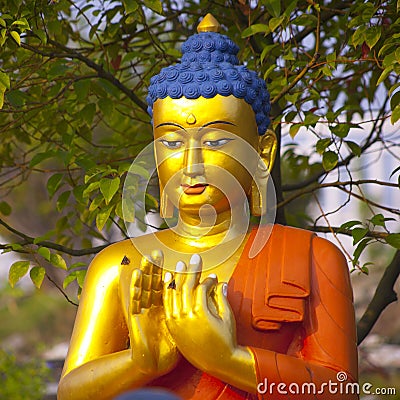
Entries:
{"x":199,"y":317}
{"x":153,"y":348}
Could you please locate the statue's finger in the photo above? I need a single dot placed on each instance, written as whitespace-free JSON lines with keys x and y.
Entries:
{"x":180,"y":275}
{"x":194,"y":272}
{"x":156,"y":297}
{"x":221,"y":301}
{"x":158,"y":261}
{"x":169,"y":288}
{"x":146,"y":265}
{"x":202,"y":295}
{"x":135,"y":292}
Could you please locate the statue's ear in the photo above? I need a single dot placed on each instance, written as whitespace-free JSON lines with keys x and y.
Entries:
{"x":267,"y":147}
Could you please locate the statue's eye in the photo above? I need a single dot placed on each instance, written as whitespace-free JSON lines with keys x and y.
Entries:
{"x":217,"y":143}
{"x":172,"y":144}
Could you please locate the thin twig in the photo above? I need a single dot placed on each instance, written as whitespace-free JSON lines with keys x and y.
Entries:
{"x":61,"y":290}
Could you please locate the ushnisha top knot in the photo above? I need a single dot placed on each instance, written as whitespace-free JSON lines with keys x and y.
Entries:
{"x":208,"y":67}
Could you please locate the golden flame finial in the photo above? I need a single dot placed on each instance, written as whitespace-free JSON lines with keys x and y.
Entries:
{"x":209,"y":24}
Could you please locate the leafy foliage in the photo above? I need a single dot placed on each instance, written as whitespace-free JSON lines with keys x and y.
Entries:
{"x":73,"y":79}
{"x":21,"y":381}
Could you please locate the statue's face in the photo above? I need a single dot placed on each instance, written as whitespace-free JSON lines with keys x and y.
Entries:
{"x":205,"y":150}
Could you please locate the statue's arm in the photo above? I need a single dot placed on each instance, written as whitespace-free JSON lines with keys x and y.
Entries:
{"x":327,"y":344}
{"x":98,"y":364}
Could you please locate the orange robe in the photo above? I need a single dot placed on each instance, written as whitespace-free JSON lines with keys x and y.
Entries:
{"x":293,"y":307}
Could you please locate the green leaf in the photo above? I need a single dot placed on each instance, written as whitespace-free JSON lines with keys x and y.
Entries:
{"x":329,"y":160}
{"x":395,"y":114}
{"x":393,"y":239}
{"x":44,"y":237}
{"x":127,"y":209}
{"x":106,"y":106}
{"x":322,"y":144}
{"x":69,"y":279}
{"x":5,"y":208}
{"x":358,"y":36}
{"x":38,"y":158}
{"x":92,"y":187}
{"x":378,"y":220}
{"x":87,"y":113}
{"x":349,"y":224}
{"x":139,"y":170}
{"x":274,"y":23}
{"x":58,"y":261}
{"x":81,"y":88}
{"x":358,"y":234}
{"x":80,"y":277}
{"x":256,"y":28}
{"x":306,"y":20}
{"x":16,"y":37}
{"x":130,"y":6}
{"x":359,"y":249}
{"x":108,"y":188}
{"x":294,"y":129}
{"x":4,"y":80}
{"x":311,"y":119}
{"x":44,"y":252}
{"x":273,"y":7}
{"x":17,"y":271}
{"x":354,"y":147}
{"x":102,"y":217}
{"x":384,"y":74}
{"x":77,"y":265}
{"x":372,"y":35}
{"x":154,"y":5}
{"x":54,"y":183}
{"x":365,"y":270}
{"x":340,"y":130}
{"x":62,"y":200}
{"x":395,"y":100}
{"x":3,"y":23}
{"x":97,"y":201}
{"x":37,"y":275}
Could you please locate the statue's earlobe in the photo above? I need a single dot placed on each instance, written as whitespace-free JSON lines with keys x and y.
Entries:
{"x":268,"y":145}
{"x":267,"y":149}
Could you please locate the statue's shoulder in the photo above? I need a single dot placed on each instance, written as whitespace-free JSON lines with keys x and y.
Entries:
{"x":327,"y":260}
{"x":330,"y":264}
{"x":113,"y":257}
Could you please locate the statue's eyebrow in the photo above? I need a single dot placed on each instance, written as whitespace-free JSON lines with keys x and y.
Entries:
{"x":216,"y":122}
{"x":172,"y":124}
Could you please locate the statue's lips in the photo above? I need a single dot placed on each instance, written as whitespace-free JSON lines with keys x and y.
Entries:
{"x":194,"y":189}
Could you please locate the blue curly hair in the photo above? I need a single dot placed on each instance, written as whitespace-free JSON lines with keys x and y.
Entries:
{"x":208,"y":67}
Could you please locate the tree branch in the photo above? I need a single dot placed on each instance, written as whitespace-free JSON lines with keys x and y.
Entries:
{"x":101,"y":72}
{"x":27,"y":240}
{"x":384,"y":295}
{"x":369,"y":141}
{"x":337,"y":184}
{"x":339,"y":230}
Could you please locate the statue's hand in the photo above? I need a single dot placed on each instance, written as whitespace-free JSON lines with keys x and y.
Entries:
{"x":153,"y":349}
{"x":199,"y":317}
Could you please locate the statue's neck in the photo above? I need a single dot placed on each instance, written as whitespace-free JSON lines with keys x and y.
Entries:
{"x":211,"y":229}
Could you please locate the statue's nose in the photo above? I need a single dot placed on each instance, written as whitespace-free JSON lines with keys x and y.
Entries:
{"x":194,"y":160}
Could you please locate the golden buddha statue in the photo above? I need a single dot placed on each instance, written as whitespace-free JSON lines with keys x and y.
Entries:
{"x":203,"y":314}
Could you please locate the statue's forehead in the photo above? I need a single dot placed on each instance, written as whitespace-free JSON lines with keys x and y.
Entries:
{"x":193,"y":112}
